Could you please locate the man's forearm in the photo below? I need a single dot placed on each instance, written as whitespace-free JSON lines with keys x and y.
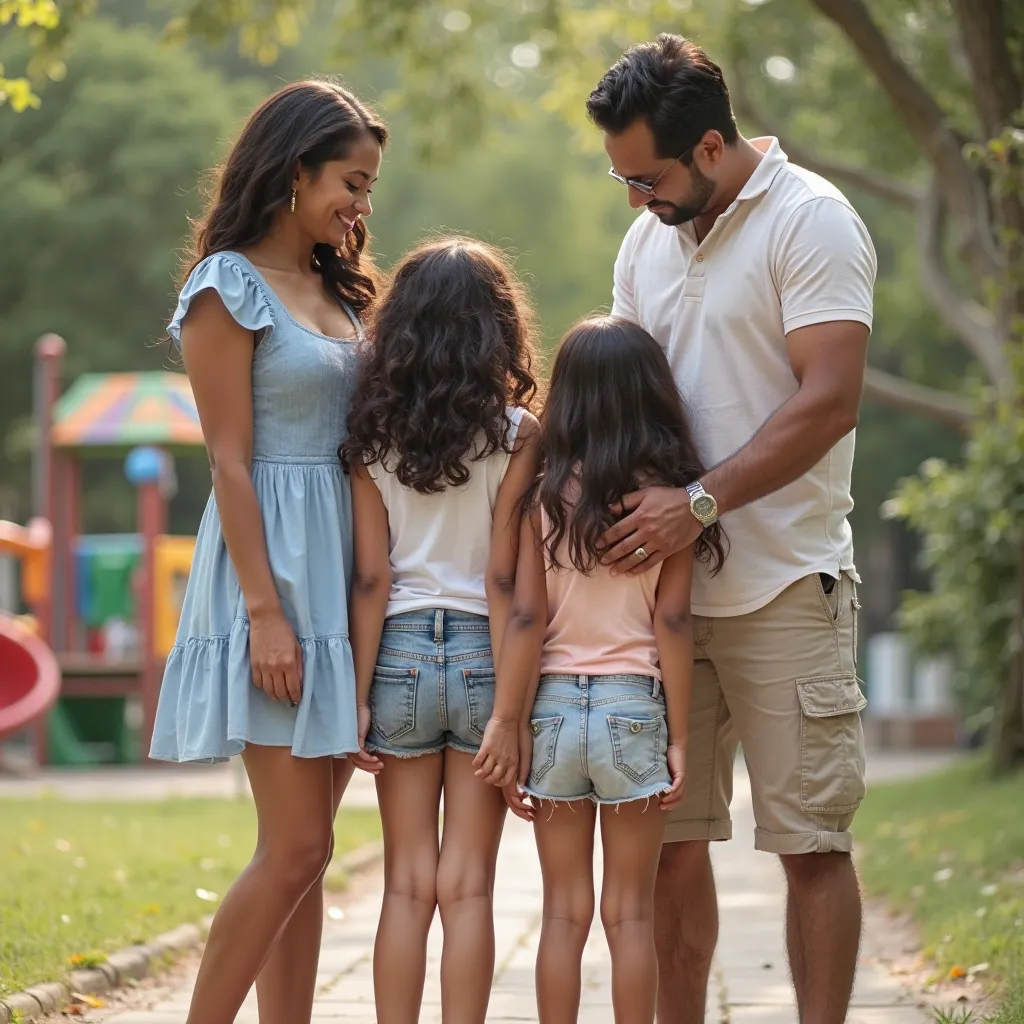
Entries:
{"x":793,"y":440}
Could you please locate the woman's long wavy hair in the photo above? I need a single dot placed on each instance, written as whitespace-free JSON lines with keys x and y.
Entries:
{"x":453,"y":348}
{"x":614,"y":422}
{"x":307,"y":123}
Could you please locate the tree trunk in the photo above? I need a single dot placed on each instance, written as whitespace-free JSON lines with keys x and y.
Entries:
{"x":1008,"y":740}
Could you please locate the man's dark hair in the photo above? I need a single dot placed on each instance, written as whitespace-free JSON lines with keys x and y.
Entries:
{"x":674,"y":86}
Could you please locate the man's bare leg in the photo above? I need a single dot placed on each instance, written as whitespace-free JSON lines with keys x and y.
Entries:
{"x":685,"y":930}
{"x":823,"y":923}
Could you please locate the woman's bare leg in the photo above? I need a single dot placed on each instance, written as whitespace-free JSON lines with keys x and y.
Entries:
{"x":474,"y":813}
{"x":631,"y":836}
{"x":286,"y":986}
{"x":565,"y":842}
{"x":293,"y":797}
{"x":409,"y":794}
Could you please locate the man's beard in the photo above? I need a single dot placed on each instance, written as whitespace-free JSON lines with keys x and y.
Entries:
{"x":674,"y":214}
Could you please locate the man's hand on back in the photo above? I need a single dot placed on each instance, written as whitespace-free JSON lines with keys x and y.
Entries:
{"x":659,"y":521}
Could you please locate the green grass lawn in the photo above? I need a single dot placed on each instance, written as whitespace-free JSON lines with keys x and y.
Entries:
{"x":80,"y":879}
{"x":950,"y":849}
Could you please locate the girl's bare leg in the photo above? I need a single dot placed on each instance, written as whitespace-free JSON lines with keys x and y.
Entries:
{"x":474,"y":813}
{"x":631,"y":836}
{"x":565,"y":842}
{"x":409,"y":794}
{"x":293,"y":797}
{"x":287,"y":984}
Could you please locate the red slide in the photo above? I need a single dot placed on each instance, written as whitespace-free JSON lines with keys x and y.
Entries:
{"x":29,"y":677}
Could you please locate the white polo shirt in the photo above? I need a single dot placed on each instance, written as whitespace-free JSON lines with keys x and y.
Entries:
{"x":788,"y":253}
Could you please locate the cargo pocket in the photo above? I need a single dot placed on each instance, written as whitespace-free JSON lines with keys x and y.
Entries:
{"x":831,"y":744}
{"x":636,"y":746}
{"x":393,"y":701}
{"x":545,"y":737}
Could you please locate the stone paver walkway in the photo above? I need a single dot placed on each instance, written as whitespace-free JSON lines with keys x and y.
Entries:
{"x":751,"y":984}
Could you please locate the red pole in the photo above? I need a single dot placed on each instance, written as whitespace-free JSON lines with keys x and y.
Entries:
{"x":49,"y":355}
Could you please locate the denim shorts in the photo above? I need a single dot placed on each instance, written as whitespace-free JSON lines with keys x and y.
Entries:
{"x":433,"y":685}
{"x":599,"y":738}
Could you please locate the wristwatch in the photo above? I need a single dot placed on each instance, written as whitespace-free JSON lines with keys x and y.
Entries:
{"x":702,"y":505}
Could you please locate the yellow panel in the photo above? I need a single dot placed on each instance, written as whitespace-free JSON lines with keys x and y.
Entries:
{"x":172,"y":561}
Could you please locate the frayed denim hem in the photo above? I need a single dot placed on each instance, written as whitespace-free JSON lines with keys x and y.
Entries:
{"x":590,"y":797}
{"x":403,"y":755}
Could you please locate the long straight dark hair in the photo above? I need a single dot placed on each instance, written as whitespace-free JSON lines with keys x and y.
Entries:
{"x":453,"y":348}
{"x":614,"y":422}
{"x":307,"y":123}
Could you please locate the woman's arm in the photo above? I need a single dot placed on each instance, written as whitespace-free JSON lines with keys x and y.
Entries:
{"x":519,"y":667}
{"x":371,"y":588}
{"x":501,"y":569}
{"x":218,"y":356}
{"x":673,"y":630}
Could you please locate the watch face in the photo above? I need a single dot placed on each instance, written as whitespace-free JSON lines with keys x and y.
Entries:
{"x":704,"y":507}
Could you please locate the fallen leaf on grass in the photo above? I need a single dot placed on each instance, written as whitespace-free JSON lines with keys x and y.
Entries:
{"x":977,"y":968}
{"x":943,"y":875}
{"x":956,"y":972}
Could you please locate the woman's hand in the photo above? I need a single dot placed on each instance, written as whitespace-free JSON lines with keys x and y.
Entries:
{"x":276,"y":656}
{"x":362,"y":758}
{"x":498,"y":759}
{"x":677,"y":769}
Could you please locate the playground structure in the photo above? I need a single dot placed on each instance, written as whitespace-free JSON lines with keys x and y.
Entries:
{"x":104,"y":609}
{"x":31,"y":675}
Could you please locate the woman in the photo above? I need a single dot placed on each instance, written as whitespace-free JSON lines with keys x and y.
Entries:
{"x":268,"y":322}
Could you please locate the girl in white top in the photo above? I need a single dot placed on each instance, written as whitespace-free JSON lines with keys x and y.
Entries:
{"x":441,"y":449}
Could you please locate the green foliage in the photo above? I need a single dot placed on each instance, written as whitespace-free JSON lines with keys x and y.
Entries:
{"x":971,"y":515}
{"x":95,"y":190}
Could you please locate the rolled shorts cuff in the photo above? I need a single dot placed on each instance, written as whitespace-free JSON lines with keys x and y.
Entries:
{"x":715,"y":830}
{"x":803,"y":842}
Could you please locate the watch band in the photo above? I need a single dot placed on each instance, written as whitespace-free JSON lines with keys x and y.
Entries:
{"x":695,"y":490}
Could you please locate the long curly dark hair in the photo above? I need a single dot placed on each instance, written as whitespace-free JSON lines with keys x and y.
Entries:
{"x":308,"y":123}
{"x":453,"y":348}
{"x":614,"y":422}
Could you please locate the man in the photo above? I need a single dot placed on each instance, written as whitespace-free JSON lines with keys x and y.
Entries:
{"x":757,"y":278}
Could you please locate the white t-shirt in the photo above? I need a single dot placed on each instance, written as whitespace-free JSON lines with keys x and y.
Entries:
{"x":441,"y":543}
{"x":788,"y":253}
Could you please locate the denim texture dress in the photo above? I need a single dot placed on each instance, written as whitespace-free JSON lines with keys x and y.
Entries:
{"x":301,"y":388}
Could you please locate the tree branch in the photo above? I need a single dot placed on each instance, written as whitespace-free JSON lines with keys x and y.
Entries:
{"x":943,"y":407}
{"x":998,"y":92}
{"x":926,"y":123}
{"x":972,"y":323}
{"x":871,"y":182}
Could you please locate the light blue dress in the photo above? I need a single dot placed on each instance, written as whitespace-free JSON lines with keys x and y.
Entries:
{"x":301,"y":388}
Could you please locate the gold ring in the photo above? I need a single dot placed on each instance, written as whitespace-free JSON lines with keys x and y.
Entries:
{"x":640,"y":553}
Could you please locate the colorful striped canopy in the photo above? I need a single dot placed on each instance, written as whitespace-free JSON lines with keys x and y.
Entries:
{"x":121,"y":410}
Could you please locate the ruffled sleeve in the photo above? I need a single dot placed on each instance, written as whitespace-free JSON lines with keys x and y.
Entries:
{"x":243,"y":296}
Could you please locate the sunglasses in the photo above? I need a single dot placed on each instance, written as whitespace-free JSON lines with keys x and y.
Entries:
{"x":644,"y":187}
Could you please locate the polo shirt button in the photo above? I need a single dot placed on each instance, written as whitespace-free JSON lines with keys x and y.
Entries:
{"x":700,"y":257}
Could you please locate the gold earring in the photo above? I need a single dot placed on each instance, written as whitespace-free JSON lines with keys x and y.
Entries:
{"x":293,"y":200}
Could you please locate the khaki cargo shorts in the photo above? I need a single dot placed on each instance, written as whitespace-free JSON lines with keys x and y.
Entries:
{"x":781,"y":682}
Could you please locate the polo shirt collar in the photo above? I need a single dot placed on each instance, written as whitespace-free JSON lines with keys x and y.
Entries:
{"x":764,"y":174}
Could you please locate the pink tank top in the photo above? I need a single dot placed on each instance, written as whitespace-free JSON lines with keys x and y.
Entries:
{"x":599,"y":624}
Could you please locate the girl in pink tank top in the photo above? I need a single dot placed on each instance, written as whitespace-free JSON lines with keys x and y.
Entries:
{"x":595,"y":671}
